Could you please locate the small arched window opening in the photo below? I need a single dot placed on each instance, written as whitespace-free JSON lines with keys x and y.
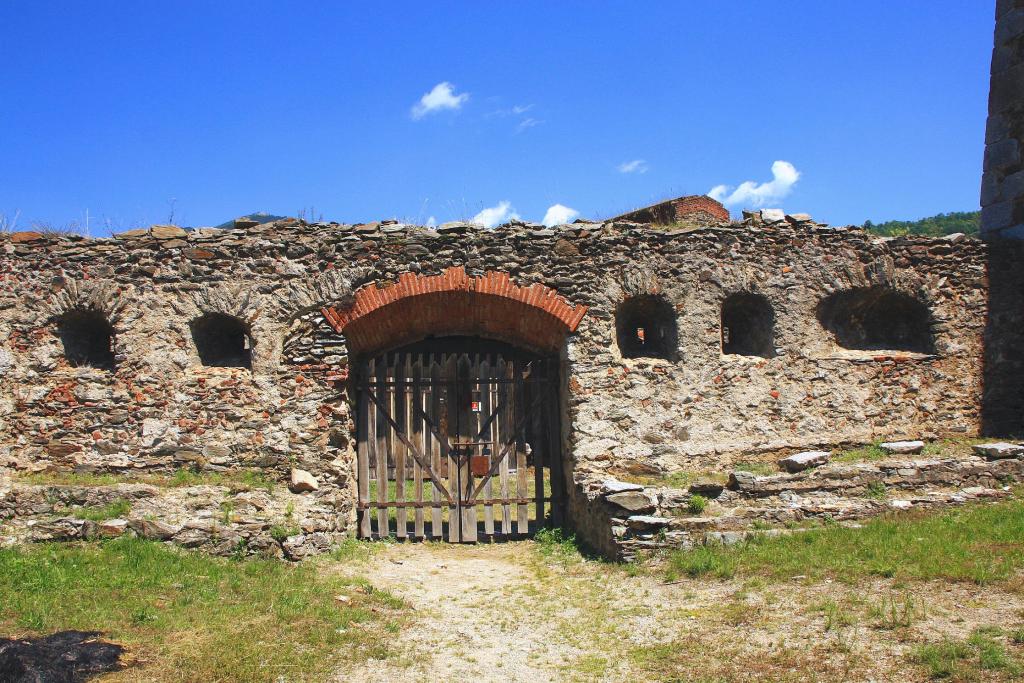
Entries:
{"x":645,"y":327}
{"x":88,"y":338}
{"x":877,"y":318}
{"x":748,"y":325}
{"x":222,"y":341}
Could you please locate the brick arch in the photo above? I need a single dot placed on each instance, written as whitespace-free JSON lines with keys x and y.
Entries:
{"x":491,"y":306}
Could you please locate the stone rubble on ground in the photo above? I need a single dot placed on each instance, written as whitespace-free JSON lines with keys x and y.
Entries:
{"x":902,"y":447}
{"x":999,"y":450}
{"x":837,"y":492}
{"x":802,"y":461}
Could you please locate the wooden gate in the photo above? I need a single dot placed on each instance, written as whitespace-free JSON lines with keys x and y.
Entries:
{"x":458,"y":445}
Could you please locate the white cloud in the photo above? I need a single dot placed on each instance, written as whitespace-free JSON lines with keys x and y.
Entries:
{"x":751,"y":194}
{"x":635,"y":166}
{"x":559,"y":214}
{"x":431,"y":222}
{"x":527,"y":123}
{"x":495,"y":215}
{"x":441,"y":97}
{"x":517,"y":110}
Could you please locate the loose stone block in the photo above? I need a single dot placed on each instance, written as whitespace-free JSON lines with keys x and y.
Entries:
{"x":647,"y":522}
{"x":26,"y":236}
{"x":634,"y":501}
{"x":902,"y":447}
{"x":167,"y":232}
{"x":999,"y":450}
{"x":802,"y":461}
{"x":113,"y":527}
{"x":616,"y":486}
{"x":723,"y":537}
{"x":707,"y":487}
{"x":302,"y":481}
{"x":740,"y":480}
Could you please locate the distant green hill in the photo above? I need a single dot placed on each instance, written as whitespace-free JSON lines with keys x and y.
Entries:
{"x":258,"y":216}
{"x":967,"y":222}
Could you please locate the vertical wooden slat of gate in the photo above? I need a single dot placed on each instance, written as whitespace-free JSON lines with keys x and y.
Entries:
{"x":430,"y":407}
{"x":552,"y":427}
{"x":501,"y":393}
{"x":363,"y":461}
{"x":467,"y":369}
{"x":396,"y":372}
{"x":381,"y":446}
{"x":447,"y":422}
{"x":414,"y":427}
{"x":484,"y":391}
{"x":539,"y":435}
{"x":523,"y":512}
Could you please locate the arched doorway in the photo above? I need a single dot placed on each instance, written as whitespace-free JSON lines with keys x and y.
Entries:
{"x":458,"y":413}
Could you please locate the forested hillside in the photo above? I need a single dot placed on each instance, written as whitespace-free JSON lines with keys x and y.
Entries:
{"x":966,"y":222}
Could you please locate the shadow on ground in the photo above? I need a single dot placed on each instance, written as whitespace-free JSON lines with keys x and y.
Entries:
{"x":63,"y":657}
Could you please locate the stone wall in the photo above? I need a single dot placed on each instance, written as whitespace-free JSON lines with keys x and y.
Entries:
{"x":159,"y":408}
{"x":1002,"y":220}
{"x":1002,"y":186}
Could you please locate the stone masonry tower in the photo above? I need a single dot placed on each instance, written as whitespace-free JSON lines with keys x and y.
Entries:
{"x":1002,"y":225}
{"x":1002,"y":186}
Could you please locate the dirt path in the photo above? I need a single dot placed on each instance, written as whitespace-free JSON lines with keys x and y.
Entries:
{"x":506,"y":613}
{"x":475,"y":614}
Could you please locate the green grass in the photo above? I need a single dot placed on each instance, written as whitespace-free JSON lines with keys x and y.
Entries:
{"x":188,"y":616}
{"x":674,"y":480}
{"x":892,"y":612}
{"x":950,"y":447}
{"x":863,"y":454}
{"x":555,"y":544}
{"x":940,"y":448}
{"x":697,"y":504}
{"x":875,"y":490}
{"x":353,"y":549}
{"x":981,"y":544}
{"x":240,"y":480}
{"x":279,"y":532}
{"x":761,"y":469}
{"x":118,"y":508}
{"x":966,"y":659}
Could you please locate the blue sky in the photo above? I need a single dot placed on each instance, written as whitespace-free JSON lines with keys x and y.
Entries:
{"x":215,"y":109}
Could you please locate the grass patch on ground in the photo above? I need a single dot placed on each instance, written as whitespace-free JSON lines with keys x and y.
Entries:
{"x":241,"y":480}
{"x":118,"y":508}
{"x":980,"y":543}
{"x":982,"y":651}
{"x":188,"y":616}
{"x":947,"y":448}
{"x":863,"y":454}
{"x":761,"y":469}
{"x":355,"y":550}
{"x":678,"y":480}
{"x":555,"y":544}
{"x":940,"y":448}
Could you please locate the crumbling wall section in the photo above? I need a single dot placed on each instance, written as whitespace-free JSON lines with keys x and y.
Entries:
{"x":692,"y":210}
